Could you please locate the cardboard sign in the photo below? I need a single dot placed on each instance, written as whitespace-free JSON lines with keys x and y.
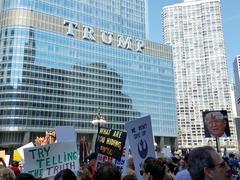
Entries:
{"x":2,"y":154}
{"x":121,"y":164}
{"x":110,"y":142}
{"x":7,"y":159}
{"x":48,"y":160}
{"x":166,"y":151}
{"x":16,"y":156}
{"x":65,"y":134}
{"x":141,"y":141}
{"x":20,"y":150}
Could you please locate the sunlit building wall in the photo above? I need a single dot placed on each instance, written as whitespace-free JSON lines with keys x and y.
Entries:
{"x":194,"y":30}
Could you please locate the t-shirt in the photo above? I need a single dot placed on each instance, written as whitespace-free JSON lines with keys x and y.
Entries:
{"x":15,"y":170}
{"x":233,"y":162}
{"x":183,"y":175}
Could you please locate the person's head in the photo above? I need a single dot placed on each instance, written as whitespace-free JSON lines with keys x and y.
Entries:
{"x":171,"y":166}
{"x":65,"y":174}
{"x":205,"y":163}
{"x":215,"y":123}
{"x":84,"y":173}
{"x":130,"y":177}
{"x":152,"y":169}
{"x":130,"y":163}
{"x":7,"y":174}
{"x":15,"y":163}
{"x":231,"y":156}
{"x":182,"y":163}
{"x":92,"y":158}
{"x":25,"y":176}
{"x":108,"y":171}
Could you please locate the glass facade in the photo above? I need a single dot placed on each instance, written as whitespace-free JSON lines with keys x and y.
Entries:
{"x":48,"y":78}
{"x":123,"y":16}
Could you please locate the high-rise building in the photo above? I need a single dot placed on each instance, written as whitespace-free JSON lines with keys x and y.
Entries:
{"x":237,"y":122}
{"x":194,"y":30}
{"x":62,"y":60}
{"x":236,"y":69}
{"x":232,"y":87}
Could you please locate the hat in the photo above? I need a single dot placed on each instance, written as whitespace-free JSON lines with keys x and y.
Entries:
{"x":92,"y":156}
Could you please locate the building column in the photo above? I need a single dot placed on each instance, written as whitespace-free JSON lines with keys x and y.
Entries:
{"x":94,"y":142}
{"x":26,"y":138}
{"x":174,"y":143}
{"x":161,"y":142}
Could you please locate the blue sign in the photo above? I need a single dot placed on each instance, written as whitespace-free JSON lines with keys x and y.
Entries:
{"x":140,"y":138}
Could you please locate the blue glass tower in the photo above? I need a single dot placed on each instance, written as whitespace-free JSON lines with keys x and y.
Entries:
{"x":63,"y":59}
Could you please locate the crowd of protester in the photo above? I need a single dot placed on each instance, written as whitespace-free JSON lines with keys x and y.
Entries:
{"x":201,"y":163}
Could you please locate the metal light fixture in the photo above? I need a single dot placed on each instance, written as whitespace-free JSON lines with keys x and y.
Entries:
{"x":98,"y":119}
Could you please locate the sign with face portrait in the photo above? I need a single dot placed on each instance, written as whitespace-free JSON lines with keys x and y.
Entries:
{"x":216,"y":124}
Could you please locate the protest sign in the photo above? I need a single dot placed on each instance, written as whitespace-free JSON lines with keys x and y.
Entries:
{"x":2,"y":154}
{"x":16,"y":156}
{"x":7,"y":159}
{"x":121,"y":164}
{"x":20,"y":150}
{"x":48,"y":160}
{"x":141,"y":141}
{"x":166,"y":151}
{"x":65,"y":133}
{"x":110,"y":142}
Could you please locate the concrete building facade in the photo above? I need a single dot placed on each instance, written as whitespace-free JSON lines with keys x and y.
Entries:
{"x":194,"y":30}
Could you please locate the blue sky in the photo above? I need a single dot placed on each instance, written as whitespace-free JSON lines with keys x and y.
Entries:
{"x":231,"y":26}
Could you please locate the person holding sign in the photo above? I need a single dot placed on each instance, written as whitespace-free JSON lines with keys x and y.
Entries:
{"x":92,"y":161}
{"x":15,"y":168}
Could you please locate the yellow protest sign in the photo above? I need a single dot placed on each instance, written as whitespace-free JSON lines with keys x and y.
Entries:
{"x":16,"y":156}
{"x":2,"y":154}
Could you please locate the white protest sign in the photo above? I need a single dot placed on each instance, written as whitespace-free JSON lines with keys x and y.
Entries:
{"x":20,"y":150}
{"x":65,"y":133}
{"x":167,"y":152}
{"x":7,"y":160}
{"x":121,"y":164}
{"x":139,"y":133}
{"x":48,"y":160}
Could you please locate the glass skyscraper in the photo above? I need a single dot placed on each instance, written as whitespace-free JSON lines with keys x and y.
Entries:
{"x":63,"y":59}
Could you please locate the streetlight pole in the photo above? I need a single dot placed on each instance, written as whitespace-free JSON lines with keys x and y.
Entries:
{"x":97,"y":120}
